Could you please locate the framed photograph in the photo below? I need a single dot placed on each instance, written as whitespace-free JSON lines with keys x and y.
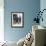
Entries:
{"x":17,"y":19}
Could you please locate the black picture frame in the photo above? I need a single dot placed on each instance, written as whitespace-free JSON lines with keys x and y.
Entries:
{"x":17,"y":19}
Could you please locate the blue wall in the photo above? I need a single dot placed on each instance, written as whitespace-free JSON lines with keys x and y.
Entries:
{"x":43,"y":6}
{"x":29,"y":7}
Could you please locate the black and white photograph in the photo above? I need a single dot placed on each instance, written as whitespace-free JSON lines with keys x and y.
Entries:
{"x":17,"y":19}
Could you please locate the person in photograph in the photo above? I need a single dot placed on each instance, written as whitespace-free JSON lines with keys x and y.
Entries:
{"x":15,"y":18}
{"x":19,"y":20}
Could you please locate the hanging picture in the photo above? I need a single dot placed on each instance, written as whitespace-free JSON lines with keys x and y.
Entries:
{"x":17,"y":19}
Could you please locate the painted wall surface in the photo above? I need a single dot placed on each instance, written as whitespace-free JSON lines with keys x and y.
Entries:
{"x":43,"y":6}
{"x":29,"y":7}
